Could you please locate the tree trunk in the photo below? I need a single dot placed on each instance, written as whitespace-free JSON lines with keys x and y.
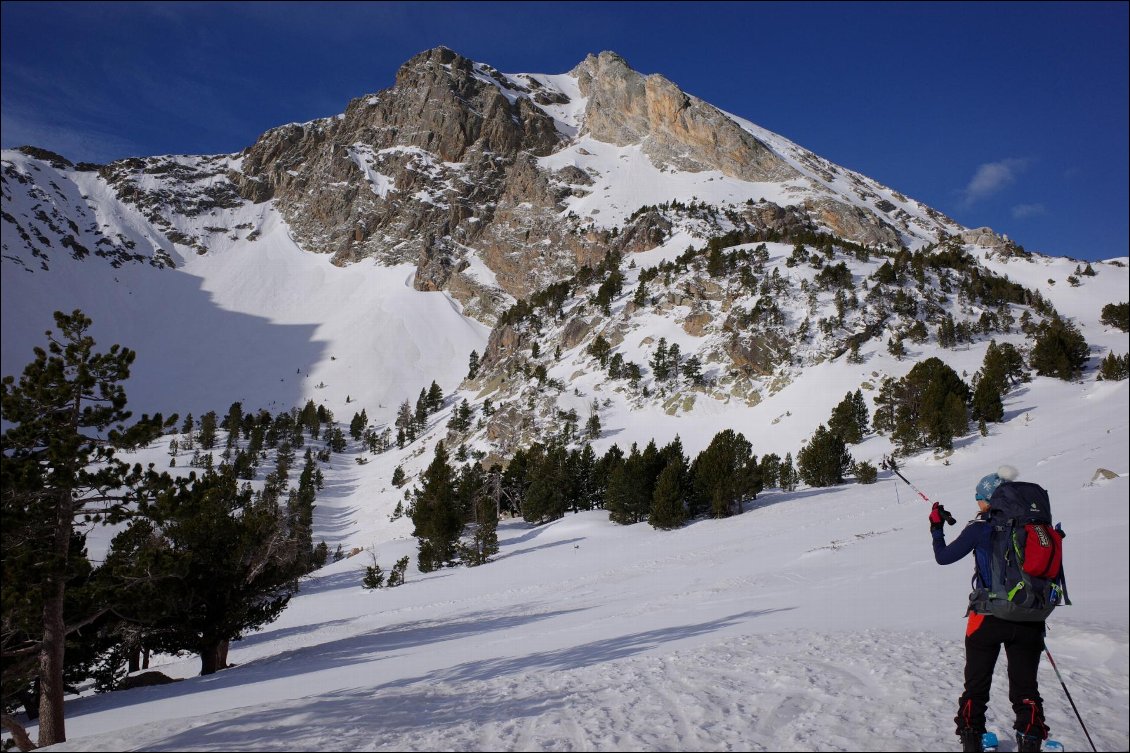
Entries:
{"x":213,"y":656}
{"x":51,"y":656}
{"x":145,"y":658}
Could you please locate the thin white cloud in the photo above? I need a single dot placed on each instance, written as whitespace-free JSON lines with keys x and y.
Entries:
{"x":1020,"y":211}
{"x":991,"y":178}
{"x":80,"y":140}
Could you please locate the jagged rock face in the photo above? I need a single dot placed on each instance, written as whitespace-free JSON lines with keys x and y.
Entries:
{"x":40,"y":204}
{"x":675,"y":128}
{"x":853,"y":222}
{"x":984,"y":236}
{"x":162,"y":187}
{"x":441,"y":160}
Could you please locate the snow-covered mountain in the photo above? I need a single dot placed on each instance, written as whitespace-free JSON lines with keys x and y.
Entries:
{"x":284,"y":261}
{"x":530,"y":218}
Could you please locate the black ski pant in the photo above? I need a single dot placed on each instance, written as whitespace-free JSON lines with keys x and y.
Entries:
{"x":1023,"y":645}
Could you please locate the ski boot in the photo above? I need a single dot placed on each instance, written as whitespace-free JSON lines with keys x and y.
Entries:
{"x":972,"y":742}
{"x":1027,"y":743}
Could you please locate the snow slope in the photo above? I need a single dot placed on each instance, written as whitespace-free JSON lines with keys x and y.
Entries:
{"x":256,"y":319}
{"x":817,"y":620}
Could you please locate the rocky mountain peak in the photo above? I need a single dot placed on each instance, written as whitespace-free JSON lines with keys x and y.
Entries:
{"x":496,"y":185}
{"x":676,"y":129}
{"x":441,"y":56}
{"x":606,"y":64}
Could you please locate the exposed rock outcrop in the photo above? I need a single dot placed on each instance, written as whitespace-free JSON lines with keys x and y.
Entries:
{"x":676,"y":129}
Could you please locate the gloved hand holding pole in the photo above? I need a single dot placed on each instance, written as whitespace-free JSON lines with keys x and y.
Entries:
{"x":942,"y":512}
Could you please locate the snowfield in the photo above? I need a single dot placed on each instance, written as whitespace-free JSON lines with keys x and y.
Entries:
{"x":816,"y":620}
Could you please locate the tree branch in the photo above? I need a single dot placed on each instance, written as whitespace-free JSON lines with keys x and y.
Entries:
{"x":19,"y":734}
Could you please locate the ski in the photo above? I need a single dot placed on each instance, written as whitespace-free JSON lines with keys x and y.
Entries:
{"x":990,"y":742}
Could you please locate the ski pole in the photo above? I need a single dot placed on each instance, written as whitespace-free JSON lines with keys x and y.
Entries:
{"x":1073,"y":706}
{"x":948,"y":517}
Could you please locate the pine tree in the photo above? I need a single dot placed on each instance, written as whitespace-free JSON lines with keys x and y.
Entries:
{"x":668,"y":502}
{"x":770,"y":469}
{"x":473,"y":365}
{"x":374,"y":576}
{"x":599,"y":349}
{"x":640,"y":296}
{"x":725,"y":474}
{"x":435,"y":398}
{"x":824,"y":460}
{"x":844,"y":420}
{"x":860,"y":412}
{"x":300,"y":512}
{"x":474,"y":491}
{"x":692,"y":370}
{"x":357,"y":425}
{"x":233,"y":422}
{"x":659,"y":365}
{"x":592,"y":426}
{"x":788,"y":476}
{"x":420,"y":416}
{"x":308,"y":419}
{"x":337,"y":440}
{"x":222,"y":561}
{"x":406,"y":423}
{"x":461,"y":417}
{"x":929,"y":407}
{"x":546,"y":496}
{"x":629,"y":492}
{"x":989,"y":386}
{"x":1115,"y":368}
{"x":1116,"y":315}
{"x":1059,"y":351}
{"x":987,"y":403}
{"x":436,"y":517}
{"x":64,"y":421}
{"x":207,"y":436}
{"x":396,"y":577}
{"x":865,"y":473}
{"x":588,"y":492}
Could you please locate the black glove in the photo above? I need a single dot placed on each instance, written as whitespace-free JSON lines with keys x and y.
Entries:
{"x":939,"y":516}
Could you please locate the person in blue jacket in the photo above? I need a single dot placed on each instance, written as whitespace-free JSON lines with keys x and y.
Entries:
{"x":985,"y":634}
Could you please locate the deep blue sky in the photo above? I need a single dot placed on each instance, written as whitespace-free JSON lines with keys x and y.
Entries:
{"x":1012,"y":115}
